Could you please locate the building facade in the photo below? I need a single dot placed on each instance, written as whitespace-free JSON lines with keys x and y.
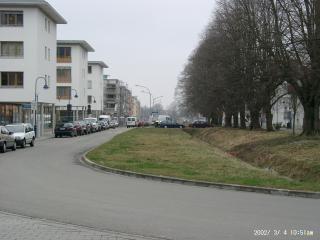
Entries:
{"x":28,"y":40}
{"x":72,"y":75}
{"x":95,"y":87}
{"x":136,"y":107}
{"x":111,"y":97}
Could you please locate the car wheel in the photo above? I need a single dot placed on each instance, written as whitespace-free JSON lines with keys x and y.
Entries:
{"x":32,"y":143}
{"x":23,"y":144}
{"x":14,"y":147}
{"x":3,"y":148}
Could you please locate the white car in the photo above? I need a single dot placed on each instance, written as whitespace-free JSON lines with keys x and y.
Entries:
{"x":131,"y":122}
{"x":23,"y":133}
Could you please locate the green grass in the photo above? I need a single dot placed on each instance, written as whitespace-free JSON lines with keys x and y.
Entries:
{"x":175,"y":153}
{"x":297,"y":158}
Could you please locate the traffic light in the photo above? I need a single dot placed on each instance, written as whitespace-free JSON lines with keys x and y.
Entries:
{"x":69,"y":107}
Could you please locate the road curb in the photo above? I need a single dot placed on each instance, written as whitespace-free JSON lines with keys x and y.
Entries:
{"x":234,"y":187}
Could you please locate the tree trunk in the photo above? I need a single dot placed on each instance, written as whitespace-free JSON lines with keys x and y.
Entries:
{"x":227,"y":120}
{"x":269,"y":119}
{"x":255,"y":120}
{"x":235,"y":120}
{"x":243,"y":119}
{"x":311,"y":118}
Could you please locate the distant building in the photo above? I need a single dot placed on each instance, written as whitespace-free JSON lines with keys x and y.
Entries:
{"x":72,"y":75}
{"x":136,"y":107}
{"x":125,"y":101}
{"x":28,"y":42}
{"x":111,"y":97}
{"x":95,"y":86}
{"x":283,"y":109}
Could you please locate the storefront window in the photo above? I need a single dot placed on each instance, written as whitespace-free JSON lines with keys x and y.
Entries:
{"x":10,"y":113}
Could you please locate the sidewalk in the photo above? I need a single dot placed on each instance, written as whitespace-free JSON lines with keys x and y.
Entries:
{"x":15,"y":227}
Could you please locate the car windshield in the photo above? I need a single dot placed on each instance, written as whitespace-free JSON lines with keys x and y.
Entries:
{"x":16,"y":129}
{"x":68,"y":125}
{"x":90,"y":120}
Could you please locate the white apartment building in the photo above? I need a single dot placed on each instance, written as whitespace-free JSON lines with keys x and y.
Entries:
{"x":95,"y":86}
{"x":28,"y":35}
{"x":72,"y":75}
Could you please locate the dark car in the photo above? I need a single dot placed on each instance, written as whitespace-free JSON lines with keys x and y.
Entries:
{"x":79,"y":127}
{"x":200,"y":124}
{"x":170,"y":124}
{"x":65,"y":129}
{"x":86,"y":127}
{"x":7,"y":140}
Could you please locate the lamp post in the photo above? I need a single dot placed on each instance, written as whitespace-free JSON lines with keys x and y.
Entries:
{"x":45,"y":86}
{"x":148,"y":92}
{"x":69,"y":107}
{"x":156,"y":98}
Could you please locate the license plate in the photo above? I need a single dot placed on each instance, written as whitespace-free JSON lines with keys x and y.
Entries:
{"x":62,"y":129}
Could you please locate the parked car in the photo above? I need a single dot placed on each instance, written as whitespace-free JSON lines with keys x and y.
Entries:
{"x":170,"y":124}
{"x":65,"y":129}
{"x":131,"y":122}
{"x":113,"y":124}
{"x":23,"y":133}
{"x":103,"y":125}
{"x":94,"y":124}
{"x":79,"y":127}
{"x":89,"y":126}
{"x":200,"y":124}
{"x":85,"y":127}
{"x":7,"y":140}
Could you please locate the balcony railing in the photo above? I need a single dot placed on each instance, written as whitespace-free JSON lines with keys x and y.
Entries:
{"x":64,"y":59}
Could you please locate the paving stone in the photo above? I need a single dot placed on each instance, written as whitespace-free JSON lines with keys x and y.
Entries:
{"x":15,"y":227}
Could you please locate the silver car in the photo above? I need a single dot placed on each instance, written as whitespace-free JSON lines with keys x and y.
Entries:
{"x":23,"y":133}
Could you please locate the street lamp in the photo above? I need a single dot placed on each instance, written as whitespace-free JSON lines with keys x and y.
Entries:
{"x":45,"y":87}
{"x":94,"y":99}
{"x":69,"y":106}
{"x":148,"y":92}
{"x":156,"y":98}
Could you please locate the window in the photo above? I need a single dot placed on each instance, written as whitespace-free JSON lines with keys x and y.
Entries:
{"x":89,"y":84}
{"x":49,"y":54}
{"x":64,"y":54}
{"x":48,"y":81}
{"x":11,"y":18}
{"x":45,"y":53}
{"x":64,"y":75}
{"x":89,"y":99}
{"x":89,"y":69}
{"x":11,"y":49}
{"x":49,"y":26}
{"x":12,"y":79}
{"x":64,"y":93}
{"x":111,"y":105}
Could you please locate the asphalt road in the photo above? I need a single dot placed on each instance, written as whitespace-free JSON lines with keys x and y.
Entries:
{"x":49,"y":182}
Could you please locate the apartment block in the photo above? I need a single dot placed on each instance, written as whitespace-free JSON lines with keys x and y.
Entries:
{"x":72,"y":76}
{"x":111,"y":96}
{"x":28,"y":42}
{"x":95,"y":87}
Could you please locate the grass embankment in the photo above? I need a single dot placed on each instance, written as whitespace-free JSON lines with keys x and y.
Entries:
{"x":173,"y":152}
{"x":297,"y":158}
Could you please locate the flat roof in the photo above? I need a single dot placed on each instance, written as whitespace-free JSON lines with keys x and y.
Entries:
{"x":41,"y":4}
{"x":100,"y":63}
{"x":82,"y":43}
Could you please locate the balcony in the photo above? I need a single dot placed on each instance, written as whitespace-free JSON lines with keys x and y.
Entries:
{"x":64,"y":59}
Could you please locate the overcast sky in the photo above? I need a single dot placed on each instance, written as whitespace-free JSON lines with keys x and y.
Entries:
{"x":145,"y":42}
